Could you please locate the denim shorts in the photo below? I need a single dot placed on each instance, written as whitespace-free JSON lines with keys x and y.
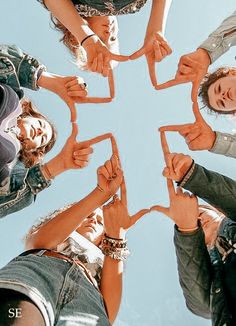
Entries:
{"x":59,"y":289}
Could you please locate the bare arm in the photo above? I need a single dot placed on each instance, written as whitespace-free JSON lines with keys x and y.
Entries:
{"x":58,"y":229}
{"x":117,"y":221}
{"x":158,"y":16}
{"x":66,"y":13}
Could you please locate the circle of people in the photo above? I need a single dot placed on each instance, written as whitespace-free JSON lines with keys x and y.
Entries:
{"x":84,"y":243}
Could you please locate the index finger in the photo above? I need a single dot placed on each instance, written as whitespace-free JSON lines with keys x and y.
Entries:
{"x":119,"y":57}
{"x":197,"y":113}
{"x":94,"y":100}
{"x":151,"y":69}
{"x":123,"y":193}
{"x":98,"y":139}
{"x":195,"y":87}
{"x":164,"y":145}
{"x":114,"y":147}
{"x":73,"y":113}
{"x":169,"y":83}
{"x":177,"y":128}
{"x":74,"y":131}
{"x":111,"y":84}
{"x":138,"y":53}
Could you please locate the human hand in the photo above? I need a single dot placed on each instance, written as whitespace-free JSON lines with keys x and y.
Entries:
{"x":192,"y":68}
{"x":116,"y":217}
{"x":99,"y":57}
{"x":177,"y":165}
{"x":74,"y":155}
{"x":72,"y":90}
{"x":183,"y":208}
{"x":109,"y":177}
{"x":155,"y":49}
{"x":198,"y":135}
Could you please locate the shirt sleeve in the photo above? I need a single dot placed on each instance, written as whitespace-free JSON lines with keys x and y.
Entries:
{"x":221,"y":39}
{"x":225,"y":144}
{"x":215,"y":188}
{"x":194,"y":269}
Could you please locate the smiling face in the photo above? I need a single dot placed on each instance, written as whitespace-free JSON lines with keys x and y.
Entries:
{"x":222,"y":93}
{"x":210,"y":221}
{"x":106,"y":28}
{"x":34,"y":132}
{"x":92,"y":227}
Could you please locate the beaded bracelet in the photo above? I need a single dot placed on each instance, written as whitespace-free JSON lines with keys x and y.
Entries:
{"x":114,"y":248}
{"x":115,"y":253}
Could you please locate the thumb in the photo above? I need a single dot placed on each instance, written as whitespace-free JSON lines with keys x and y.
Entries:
{"x":161,"y":209}
{"x":74,"y":131}
{"x":73,"y":113}
{"x":138,"y":53}
{"x":119,"y":57}
{"x":134,"y":218}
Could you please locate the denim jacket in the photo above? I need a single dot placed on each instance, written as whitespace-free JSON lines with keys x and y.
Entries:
{"x":18,"y":69}
{"x":221,"y":39}
{"x":23,"y":186}
{"x":225,"y":144}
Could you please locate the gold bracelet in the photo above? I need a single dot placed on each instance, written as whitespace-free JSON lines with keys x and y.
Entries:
{"x":47,"y":173}
{"x":188,"y":230}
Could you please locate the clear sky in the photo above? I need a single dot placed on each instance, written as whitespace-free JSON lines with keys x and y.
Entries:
{"x":152,"y":295}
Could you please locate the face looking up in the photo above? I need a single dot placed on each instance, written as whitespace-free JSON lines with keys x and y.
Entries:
{"x":35,"y":132}
{"x":92,"y":227}
{"x":222,"y":93}
{"x":106,"y":28}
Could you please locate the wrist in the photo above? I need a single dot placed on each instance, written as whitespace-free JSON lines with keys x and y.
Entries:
{"x":213,"y":139}
{"x":55,"y":166}
{"x":188,"y":229}
{"x":204,"y":55}
{"x":116,"y":234}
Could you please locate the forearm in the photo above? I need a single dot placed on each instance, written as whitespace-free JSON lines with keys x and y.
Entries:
{"x":194,"y":268}
{"x":221,"y":39}
{"x":62,"y":225}
{"x":111,"y":285}
{"x":66,"y":13}
{"x":225,"y":144}
{"x":216,"y":189}
{"x":158,"y":16}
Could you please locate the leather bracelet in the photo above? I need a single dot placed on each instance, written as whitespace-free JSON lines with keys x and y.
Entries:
{"x":81,"y":43}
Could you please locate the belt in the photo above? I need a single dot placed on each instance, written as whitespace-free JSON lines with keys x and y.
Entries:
{"x":55,"y":254}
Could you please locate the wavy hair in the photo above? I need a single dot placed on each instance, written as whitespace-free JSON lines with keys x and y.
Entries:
{"x":28,"y":156}
{"x":210,"y":79}
{"x":77,"y":51}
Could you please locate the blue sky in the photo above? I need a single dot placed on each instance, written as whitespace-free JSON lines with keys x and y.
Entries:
{"x":152,"y":295}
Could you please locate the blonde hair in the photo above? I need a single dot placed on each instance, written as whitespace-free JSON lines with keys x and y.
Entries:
{"x":77,"y":51}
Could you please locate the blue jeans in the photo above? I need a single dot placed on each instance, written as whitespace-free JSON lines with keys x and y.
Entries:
{"x":59,"y":289}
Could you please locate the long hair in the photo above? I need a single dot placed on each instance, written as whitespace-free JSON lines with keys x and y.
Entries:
{"x":28,"y":156}
{"x":76,"y":50}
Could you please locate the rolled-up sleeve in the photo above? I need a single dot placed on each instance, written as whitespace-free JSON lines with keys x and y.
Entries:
{"x":221,"y":39}
{"x":36,"y":180}
{"x":225,"y":144}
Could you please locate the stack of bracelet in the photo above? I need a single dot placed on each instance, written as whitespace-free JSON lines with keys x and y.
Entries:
{"x":114,"y":248}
